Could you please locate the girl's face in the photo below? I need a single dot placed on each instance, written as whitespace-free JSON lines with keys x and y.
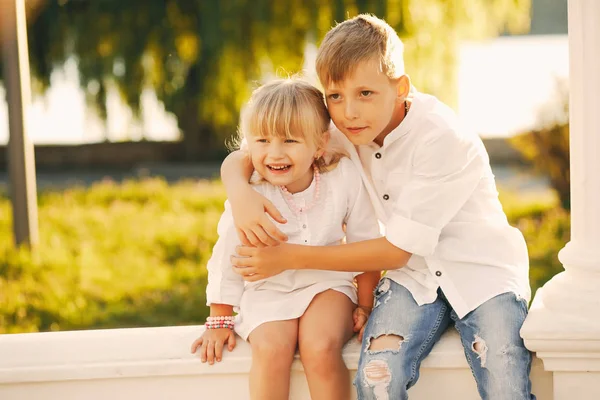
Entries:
{"x":284,"y":161}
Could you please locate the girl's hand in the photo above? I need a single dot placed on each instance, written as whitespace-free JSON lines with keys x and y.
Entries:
{"x":254,"y":228}
{"x":211,"y":344}
{"x":360,"y":317}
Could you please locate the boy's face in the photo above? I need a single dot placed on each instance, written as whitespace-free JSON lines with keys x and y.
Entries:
{"x":283,"y":162}
{"x":366,"y":105}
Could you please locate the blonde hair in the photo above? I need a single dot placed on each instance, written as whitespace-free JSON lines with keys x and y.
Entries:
{"x":289,"y":108}
{"x":361,"y":38}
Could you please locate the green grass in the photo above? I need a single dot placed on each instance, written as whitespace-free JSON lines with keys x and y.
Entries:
{"x":546,"y":227}
{"x":134,"y":254}
{"x":114,"y":255}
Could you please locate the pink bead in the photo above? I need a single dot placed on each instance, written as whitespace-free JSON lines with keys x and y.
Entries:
{"x":290,"y":199}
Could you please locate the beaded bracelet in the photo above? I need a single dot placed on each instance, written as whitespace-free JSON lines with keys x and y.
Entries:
{"x":221,"y":321}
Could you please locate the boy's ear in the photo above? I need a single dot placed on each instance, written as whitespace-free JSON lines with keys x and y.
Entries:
{"x":403,"y":87}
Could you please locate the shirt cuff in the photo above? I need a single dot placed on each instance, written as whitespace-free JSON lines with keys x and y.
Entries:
{"x":230,"y":297}
{"x":411,"y":236}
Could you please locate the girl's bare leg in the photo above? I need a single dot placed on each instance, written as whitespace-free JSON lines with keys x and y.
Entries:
{"x":273,"y":348}
{"x":323,"y":331}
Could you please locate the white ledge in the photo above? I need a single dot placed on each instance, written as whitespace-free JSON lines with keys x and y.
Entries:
{"x":98,"y":354}
{"x":120,"y":355}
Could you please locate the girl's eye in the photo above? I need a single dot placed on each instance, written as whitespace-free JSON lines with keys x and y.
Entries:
{"x":261,"y":140}
{"x":366,"y":93}
{"x":334,"y":96}
{"x":291,"y":141}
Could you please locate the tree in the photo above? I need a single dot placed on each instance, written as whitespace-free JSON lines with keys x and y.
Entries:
{"x":547,"y":147}
{"x":202,"y":57}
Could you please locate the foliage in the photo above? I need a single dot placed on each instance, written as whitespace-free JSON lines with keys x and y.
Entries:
{"x":134,"y":254}
{"x":546,"y":227}
{"x":116,"y":255}
{"x":201,"y":57}
{"x":548,"y":146}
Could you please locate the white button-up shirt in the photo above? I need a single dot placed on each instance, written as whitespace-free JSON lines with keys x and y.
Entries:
{"x":433,"y":189}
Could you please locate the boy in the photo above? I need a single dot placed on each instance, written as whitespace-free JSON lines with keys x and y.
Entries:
{"x":450,"y":253}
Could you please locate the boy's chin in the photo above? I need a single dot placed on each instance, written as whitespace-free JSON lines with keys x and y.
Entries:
{"x":359,"y":140}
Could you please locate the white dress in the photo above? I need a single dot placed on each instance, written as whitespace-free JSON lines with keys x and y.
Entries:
{"x":343,"y":200}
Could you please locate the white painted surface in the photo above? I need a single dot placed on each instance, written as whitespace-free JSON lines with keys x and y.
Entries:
{"x":155,"y":363}
{"x":563,"y":326}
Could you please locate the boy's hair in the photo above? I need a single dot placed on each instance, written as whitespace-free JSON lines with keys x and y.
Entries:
{"x":289,"y":108}
{"x":358,"y":39}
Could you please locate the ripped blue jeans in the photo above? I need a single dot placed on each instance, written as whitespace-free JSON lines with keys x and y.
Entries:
{"x":489,"y":334}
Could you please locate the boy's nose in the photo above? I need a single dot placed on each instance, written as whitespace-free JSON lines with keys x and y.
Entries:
{"x":350,"y":111}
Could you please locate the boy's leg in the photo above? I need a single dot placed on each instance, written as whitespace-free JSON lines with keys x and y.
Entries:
{"x":324,"y":329}
{"x":399,"y":335}
{"x":273,"y":348}
{"x":494,"y":349}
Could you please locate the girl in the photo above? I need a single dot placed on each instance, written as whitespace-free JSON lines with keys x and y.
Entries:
{"x":321,"y":195}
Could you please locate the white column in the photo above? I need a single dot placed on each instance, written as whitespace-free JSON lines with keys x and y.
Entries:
{"x":563,"y":326}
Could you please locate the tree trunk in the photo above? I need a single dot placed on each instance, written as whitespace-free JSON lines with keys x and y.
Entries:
{"x":197,"y":139}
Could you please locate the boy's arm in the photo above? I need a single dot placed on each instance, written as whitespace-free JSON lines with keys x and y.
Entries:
{"x":448,"y":167}
{"x":249,"y":207}
{"x":369,"y":255}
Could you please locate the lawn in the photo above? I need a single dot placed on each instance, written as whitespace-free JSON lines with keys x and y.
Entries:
{"x":134,"y":254}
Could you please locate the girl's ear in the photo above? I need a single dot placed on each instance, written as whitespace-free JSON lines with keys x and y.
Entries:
{"x":324,"y":142}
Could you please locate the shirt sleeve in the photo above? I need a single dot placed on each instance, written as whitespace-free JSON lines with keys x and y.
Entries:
{"x":446,"y":169}
{"x":224,"y":286}
{"x":361,"y":220}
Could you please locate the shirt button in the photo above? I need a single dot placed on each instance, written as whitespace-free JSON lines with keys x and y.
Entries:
{"x":378,"y":155}
{"x":386,"y":197}
{"x":438,"y":273}
{"x":304,"y":226}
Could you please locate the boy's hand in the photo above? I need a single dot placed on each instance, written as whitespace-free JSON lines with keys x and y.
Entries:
{"x":254,"y":263}
{"x":254,"y":228}
{"x":360,"y":317}
{"x":211,"y":344}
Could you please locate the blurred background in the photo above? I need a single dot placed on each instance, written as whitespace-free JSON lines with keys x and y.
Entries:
{"x":133,"y":102}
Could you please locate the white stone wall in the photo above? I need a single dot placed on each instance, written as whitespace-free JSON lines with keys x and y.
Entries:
{"x":155,"y":364}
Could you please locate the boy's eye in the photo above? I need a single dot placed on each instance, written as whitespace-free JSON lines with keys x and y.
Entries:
{"x":291,"y":141}
{"x":334,"y":96}
{"x":261,"y":140}
{"x":366,"y":93}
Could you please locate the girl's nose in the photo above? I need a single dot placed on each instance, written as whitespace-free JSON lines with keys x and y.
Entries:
{"x":276,"y":150}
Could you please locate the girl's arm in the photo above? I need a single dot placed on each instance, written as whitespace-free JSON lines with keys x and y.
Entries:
{"x":366,"y":284}
{"x":213,"y":340}
{"x":249,"y":207}
{"x":221,"y":310}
